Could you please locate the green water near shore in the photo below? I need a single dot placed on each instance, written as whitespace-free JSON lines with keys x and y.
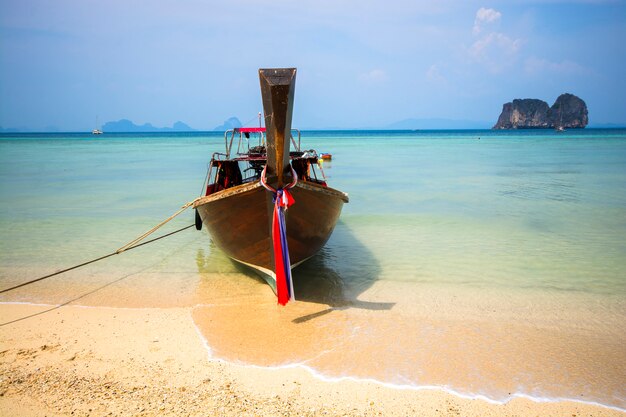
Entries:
{"x":547,"y":209}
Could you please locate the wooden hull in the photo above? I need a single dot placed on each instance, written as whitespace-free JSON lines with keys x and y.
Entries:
{"x":239,"y":222}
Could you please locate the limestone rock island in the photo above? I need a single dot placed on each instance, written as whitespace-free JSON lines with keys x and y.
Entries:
{"x":568,"y":111}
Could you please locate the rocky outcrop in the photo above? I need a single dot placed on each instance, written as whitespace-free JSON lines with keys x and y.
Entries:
{"x":523,"y":113}
{"x":568,"y":111}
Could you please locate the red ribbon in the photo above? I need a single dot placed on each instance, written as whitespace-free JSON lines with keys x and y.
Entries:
{"x":282,"y":264}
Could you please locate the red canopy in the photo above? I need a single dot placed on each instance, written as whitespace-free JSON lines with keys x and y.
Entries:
{"x":250,"y":129}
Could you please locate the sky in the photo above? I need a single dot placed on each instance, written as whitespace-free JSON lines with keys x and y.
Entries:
{"x":68,"y":64}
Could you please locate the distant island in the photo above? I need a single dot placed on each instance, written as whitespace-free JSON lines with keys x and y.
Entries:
{"x":125,"y":125}
{"x":231,"y":123}
{"x":568,"y":111}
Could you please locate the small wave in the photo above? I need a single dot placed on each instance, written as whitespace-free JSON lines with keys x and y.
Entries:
{"x":412,"y":387}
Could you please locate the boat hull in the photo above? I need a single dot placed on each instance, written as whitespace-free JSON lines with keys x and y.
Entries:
{"x":239,"y":222}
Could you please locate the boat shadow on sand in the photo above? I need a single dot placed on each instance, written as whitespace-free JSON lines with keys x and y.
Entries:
{"x":336,"y":276}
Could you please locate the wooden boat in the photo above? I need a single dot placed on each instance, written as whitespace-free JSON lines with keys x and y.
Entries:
{"x":240,"y":209}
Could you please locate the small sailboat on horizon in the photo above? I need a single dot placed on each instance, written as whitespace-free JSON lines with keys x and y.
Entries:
{"x":96,"y":131}
{"x":560,"y":127}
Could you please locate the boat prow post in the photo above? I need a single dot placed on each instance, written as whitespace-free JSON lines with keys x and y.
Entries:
{"x":277,"y":91}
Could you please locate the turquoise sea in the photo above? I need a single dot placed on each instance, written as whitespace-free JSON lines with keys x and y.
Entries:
{"x":505,"y":250}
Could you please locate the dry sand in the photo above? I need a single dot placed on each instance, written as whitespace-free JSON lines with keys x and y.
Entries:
{"x":102,"y":361}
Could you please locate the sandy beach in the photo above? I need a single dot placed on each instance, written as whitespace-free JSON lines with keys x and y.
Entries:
{"x":119,"y":361}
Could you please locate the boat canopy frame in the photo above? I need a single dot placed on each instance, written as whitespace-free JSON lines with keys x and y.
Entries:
{"x":256,"y":159}
{"x":244,"y":132}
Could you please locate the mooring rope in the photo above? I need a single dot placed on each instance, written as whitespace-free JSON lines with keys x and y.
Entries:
{"x":130,"y":245}
{"x":155,"y":228}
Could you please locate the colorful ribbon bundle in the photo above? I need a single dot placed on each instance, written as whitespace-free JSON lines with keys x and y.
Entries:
{"x":284,"y":282}
{"x":282,"y":264}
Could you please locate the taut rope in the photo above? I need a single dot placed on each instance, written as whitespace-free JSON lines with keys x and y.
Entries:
{"x":130,"y":245}
{"x":133,"y":242}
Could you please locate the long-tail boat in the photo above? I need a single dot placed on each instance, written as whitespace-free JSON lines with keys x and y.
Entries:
{"x":265,"y":205}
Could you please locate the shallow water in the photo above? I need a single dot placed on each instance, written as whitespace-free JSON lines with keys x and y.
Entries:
{"x":491,"y":266}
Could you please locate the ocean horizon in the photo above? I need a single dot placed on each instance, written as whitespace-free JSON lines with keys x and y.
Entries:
{"x":488,"y":263}
{"x":8,"y":132}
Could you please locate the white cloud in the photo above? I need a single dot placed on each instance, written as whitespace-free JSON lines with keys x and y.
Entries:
{"x":373,"y":76}
{"x":493,"y":49}
{"x":494,"y":44}
{"x":485,"y":16}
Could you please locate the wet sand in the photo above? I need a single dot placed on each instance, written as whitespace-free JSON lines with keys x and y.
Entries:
{"x":145,"y":361}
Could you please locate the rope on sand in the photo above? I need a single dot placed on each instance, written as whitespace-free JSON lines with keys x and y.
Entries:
{"x":130,"y":245}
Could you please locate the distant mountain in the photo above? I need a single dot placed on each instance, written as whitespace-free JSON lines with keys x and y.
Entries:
{"x":181,"y":127}
{"x":231,"y":123}
{"x":436,"y":123}
{"x":125,"y":125}
{"x":8,"y":130}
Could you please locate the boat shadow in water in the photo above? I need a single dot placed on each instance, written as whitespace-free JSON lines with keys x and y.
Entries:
{"x":336,"y":276}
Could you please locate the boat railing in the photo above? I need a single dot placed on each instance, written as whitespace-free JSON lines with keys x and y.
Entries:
{"x":295,"y":145}
{"x":229,"y":138}
{"x":253,"y":164}
{"x":217,"y":156}
{"x":245,"y":150}
{"x":229,"y":144}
